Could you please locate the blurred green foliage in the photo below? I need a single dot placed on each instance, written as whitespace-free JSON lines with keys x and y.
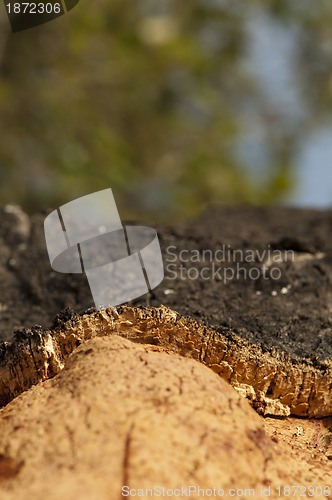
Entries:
{"x":151,"y":98}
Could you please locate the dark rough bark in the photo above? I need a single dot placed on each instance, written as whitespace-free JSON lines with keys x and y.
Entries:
{"x":298,"y":321}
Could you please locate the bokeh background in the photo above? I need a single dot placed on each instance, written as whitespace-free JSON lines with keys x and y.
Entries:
{"x":173,"y":104}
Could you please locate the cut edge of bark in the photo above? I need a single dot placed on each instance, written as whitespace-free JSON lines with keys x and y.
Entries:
{"x":274,"y":383}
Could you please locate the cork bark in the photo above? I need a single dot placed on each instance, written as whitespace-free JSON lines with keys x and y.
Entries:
{"x":275,"y":383}
{"x":121,"y":414}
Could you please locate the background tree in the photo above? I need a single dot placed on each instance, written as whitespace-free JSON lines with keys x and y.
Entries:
{"x":157,"y":100}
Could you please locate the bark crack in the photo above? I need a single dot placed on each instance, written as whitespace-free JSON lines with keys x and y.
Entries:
{"x":126,"y":459}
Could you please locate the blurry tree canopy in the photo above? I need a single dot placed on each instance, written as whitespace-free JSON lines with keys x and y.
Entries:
{"x":157,"y":99}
